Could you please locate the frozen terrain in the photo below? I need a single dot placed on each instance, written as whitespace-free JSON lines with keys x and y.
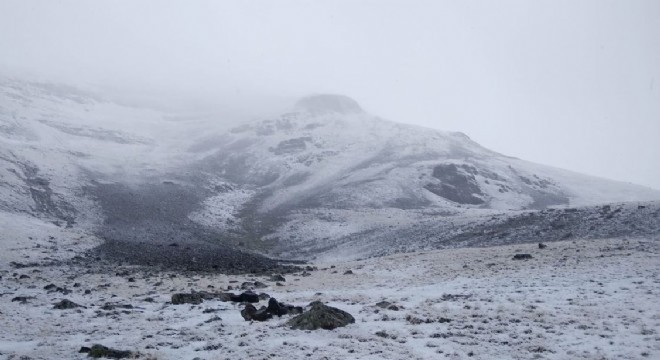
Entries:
{"x":413,"y":231}
{"x":585,"y":299}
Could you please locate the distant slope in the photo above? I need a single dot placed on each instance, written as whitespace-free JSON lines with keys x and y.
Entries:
{"x":325,"y":174}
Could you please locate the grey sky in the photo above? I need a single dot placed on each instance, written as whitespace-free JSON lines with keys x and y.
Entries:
{"x":572,"y":84}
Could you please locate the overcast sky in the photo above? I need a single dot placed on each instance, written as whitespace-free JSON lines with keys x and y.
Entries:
{"x":573,"y":84}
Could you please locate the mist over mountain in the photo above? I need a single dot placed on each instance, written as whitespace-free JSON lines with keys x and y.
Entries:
{"x":302,"y":183}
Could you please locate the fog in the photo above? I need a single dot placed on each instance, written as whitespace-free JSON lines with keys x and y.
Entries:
{"x":564,"y":83}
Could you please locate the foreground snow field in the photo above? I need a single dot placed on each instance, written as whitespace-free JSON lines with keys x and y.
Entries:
{"x":584,"y":299}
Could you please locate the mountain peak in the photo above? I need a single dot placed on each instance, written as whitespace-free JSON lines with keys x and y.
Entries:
{"x":328,"y":103}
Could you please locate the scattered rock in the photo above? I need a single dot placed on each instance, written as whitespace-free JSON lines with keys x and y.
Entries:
{"x":348,"y":272}
{"x":387,"y":305}
{"x":22,"y":299}
{"x":277,"y":278}
{"x":109,"y":306}
{"x":247,"y":296}
{"x":385,"y":335}
{"x":321,"y":316}
{"x":181,"y":298}
{"x":250,"y":313}
{"x":305,"y":274}
{"x":253,"y":285}
{"x":66,"y":304}
{"x":100,"y":351}
{"x":50,"y":287}
{"x":522,"y":256}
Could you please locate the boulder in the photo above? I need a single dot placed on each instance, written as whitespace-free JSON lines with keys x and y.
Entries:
{"x":66,"y":304}
{"x":277,"y":278}
{"x":250,"y":313}
{"x":181,"y":298}
{"x":247,"y":296}
{"x":100,"y":351}
{"x":522,"y":257}
{"x":321,"y":316}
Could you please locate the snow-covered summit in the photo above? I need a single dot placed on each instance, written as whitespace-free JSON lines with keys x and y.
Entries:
{"x":327,"y":104}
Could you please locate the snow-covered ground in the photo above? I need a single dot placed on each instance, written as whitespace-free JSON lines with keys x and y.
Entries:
{"x":585,"y":299}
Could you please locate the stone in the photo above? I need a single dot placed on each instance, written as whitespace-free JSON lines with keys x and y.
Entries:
{"x":22,"y":299}
{"x":100,"y":351}
{"x":321,"y":316}
{"x":66,"y":304}
{"x":522,"y":257}
{"x":277,"y":278}
{"x":194,"y":298}
{"x":250,"y":313}
{"x":247,"y":296}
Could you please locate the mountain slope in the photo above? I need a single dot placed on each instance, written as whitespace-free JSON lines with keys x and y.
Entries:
{"x":300,"y":184}
{"x":328,"y":170}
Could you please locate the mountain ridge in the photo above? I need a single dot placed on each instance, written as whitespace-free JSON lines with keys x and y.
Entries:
{"x":323,"y":172}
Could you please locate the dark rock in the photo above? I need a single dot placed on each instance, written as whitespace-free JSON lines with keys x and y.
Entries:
{"x":22,"y":299}
{"x":305,"y":274}
{"x":247,"y":296}
{"x":542,"y":246}
{"x":522,"y":257}
{"x":259,"y":285}
{"x":194,"y":298}
{"x":275,"y":308}
{"x":50,"y":287}
{"x":264,"y":296}
{"x":250,"y":313}
{"x":383,"y":304}
{"x":100,"y":351}
{"x":277,"y":278}
{"x":24,"y":276}
{"x":84,"y":350}
{"x":109,"y":306}
{"x":385,"y":335}
{"x":321,"y":316}
{"x":348,"y":272}
{"x":387,"y":305}
{"x":66,"y":304}
{"x":131,"y":279}
{"x":457,"y":183}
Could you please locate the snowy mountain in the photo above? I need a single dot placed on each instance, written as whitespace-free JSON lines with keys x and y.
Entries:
{"x":325,"y":174}
{"x":329,"y":171}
